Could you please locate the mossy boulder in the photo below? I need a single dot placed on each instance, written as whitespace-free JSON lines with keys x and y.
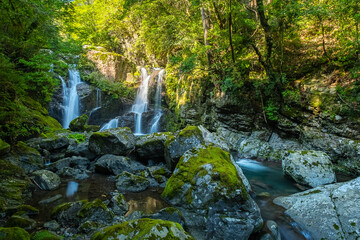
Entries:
{"x":47,"y":180}
{"x":15,"y":186}
{"x":13,"y":233}
{"x":159,"y":173}
{"x":78,"y":124}
{"x":59,"y":141}
{"x":144,"y":229}
{"x":182,"y":141}
{"x":45,"y":235}
{"x":152,"y":146}
{"x":311,"y":168}
{"x":118,"y":141}
{"x":128,"y":182}
{"x":4,"y":147}
{"x":23,"y":209}
{"x":21,"y":221}
{"x":91,"y":128}
{"x":170,"y":214}
{"x":118,"y":204}
{"x":210,"y":190}
{"x":112,"y":164}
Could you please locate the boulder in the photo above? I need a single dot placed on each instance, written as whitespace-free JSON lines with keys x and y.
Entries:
{"x":21,"y":221}
{"x":118,"y":141}
{"x":45,"y":235}
{"x":112,"y":164}
{"x":159,"y":173}
{"x":127,"y":182}
{"x":169,"y":214}
{"x":311,"y":168}
{"x":81,"y":150}
{"x":210,"y":137}
{"x":47,"y":180}
{"x":326,"y":212}
{"x":118,"y":204}
{"x":78,"y":124}
{"x":143,"y":229}
{"x":208,"y":189}
{"x":183,"y":140}
{"x":13,"y":233}
{"x":81,"y":163}
{"x":152,"y":146}
{"x":4,"y":147}
{"x":58,"y":142}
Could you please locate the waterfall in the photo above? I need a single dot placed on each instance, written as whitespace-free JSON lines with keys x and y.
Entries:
{"x":98,"y":98}
{"x":158,"y":111}
{"x":113,"y":123}
{"x":141,"y":102}
{"x":70,"y":97}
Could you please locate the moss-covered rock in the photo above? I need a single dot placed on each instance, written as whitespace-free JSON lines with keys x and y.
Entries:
{"x":14,"y":233}
{"x":118,"y":204}
{"x":91,"y":128}
{"x":177,"y":145}
{"x":23,"y":209}
{"x":152,"y":146}
{"x":143,"y":229}
{"x":128,"y":182}
{"x":89,"y":227}
{"x":47,"y":180}
{"x":21,"y":221}
{"x":118,"y":141}
{"x":170,"y":214}
{"x":4,"y":147}
{"x":15,"y":186}
{"x":78,"y":124}
{"x":111,"y":164}
{"x":45,"y":235}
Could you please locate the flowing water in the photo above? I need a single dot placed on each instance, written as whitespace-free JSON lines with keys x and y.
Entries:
{"x":141,"y":102}
{"x":158,"y":111}
{"x":268,"y":182}
{"x":70,"y":97}
{"x":113,"y":123}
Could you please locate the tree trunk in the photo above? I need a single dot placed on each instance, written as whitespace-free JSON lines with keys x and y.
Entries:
{"x":205,"y":22}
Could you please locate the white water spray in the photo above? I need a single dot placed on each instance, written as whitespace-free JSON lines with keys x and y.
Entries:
{"x":70,"y":97}
{"x":158,"y":111}
{"x":113,"y":123}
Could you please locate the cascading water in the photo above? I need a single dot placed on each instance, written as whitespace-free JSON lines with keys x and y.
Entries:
{"x":113,"y":123}
{"x":158,"y":111}
{"x":98,"y":98}
{"x":141,"y":102}
{"x":71,"y":98}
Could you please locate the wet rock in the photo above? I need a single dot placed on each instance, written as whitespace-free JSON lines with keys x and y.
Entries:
{"x":118,"y":141}
{"x":50,"y":200}
{"x":273,"y":229}
{"x":151,"y":147}
{"x":143,"y":229}
{"x":311,"y":168}
{"x":47,"y":180}
{"x":14,"y":233}
{"x":118,"y":204}
{"x":127,"y":182}
{"x":73,"y":173}
{"x":112,"y":164}
{"x":81,"y":150}
{"x":209,"y":191}
{"x":52,"y":225}
{"x":21,"y":221}
{"x":182,"y":141}
{"x":89,"y":227}
{"x":81,"y":163}
{"x":55,"y":143}
{"x":326,"y":212}
{"x":264,"y":195}
{"x":159,"y":173}
{"x":78,"y":124}
{"x":214,"y":138}
{"x":170,"y":214}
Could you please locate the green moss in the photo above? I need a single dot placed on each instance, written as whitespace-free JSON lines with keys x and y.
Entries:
{"x":78,"y":123}
{"x":45,"y":235}
{"x":133,"y":179}
{"x":22,"y":148}
{"x":190,"y":131}
{"x":4,"y":147}
{"x":19,"y":221}
{"x":189,"y":168}
{"x":60,"y":208}
{"x":25,"y":209}
{"x":91,"y":128}
{"x":89,"y":207}
{"x":312,"y":192}
{"x":14,"y":233}
{"x":172,"y":210}
{"x":336,"y":227}
{"x":77,"y":136}
{"x":141,"y":229}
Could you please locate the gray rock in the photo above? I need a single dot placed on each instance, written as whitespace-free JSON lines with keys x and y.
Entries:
{"x":186,"y":139}
{"x":54,"y":143}
{"x":52,"y":225}
{"x":112,"y":164}
{"x":118,"y":204}
{"x":47,"y":180}
{"x":81,"y":150}
{"x":50,"y":200}
{"x":327,"y":212}
{"x":214,"y":138}
{"x":272,"y":228}
{"x":118,"y":141}
{"x":169,"y":214}
{"x":73,"y":172}
{"x":233,"y":139}
{"x":81,"y":163}
{"x":127,"y":182}
{"x":310,"y":168}
{"x":151,"y":147}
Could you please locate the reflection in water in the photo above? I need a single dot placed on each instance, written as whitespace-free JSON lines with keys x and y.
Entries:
{"x":71,"y":188}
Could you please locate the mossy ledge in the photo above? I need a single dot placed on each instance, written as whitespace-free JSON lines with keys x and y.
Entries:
{"x":14,"y":233}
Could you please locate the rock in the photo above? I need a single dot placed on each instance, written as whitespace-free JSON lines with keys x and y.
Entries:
{"x":170,"y":214}
{"x":78,"y":124}
{"x":143,"y":229}
{"x":111,"y":164}
{"x":159,"y":173}
{"x":310,"y":168}
{"x":184,"y":140}
{"x":264,"y":195}
{"x":118,"y":204}
{"x":214,"y":138}
{"x":55,"y":143}
{"x":27,"y":210}
{"x":208,"y":189}
{"x":4,"y":147}
{"x":127,"y":182}
{"x":52,"y":225}
{"x":89,"y":227}
{"x":91,"y":128}
{"x":14,"y":233}
{"x":72,"y":214}
{"x":26,"y":157}
{"x":118,"y":141}
{"x":273,"y":229}
{"x":151,"y":147}
{"x":45,"y":235}
{"x":81,"y":163}
{"x":21,"y":221}
{"x":233,"y":139}
{"x":326,"y":212}
{"x":81,"y":150}
{"x":50,"y":200}
{"x":47,"y":180}
{"x":73,"y":172}
{"x":15,"y":186}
